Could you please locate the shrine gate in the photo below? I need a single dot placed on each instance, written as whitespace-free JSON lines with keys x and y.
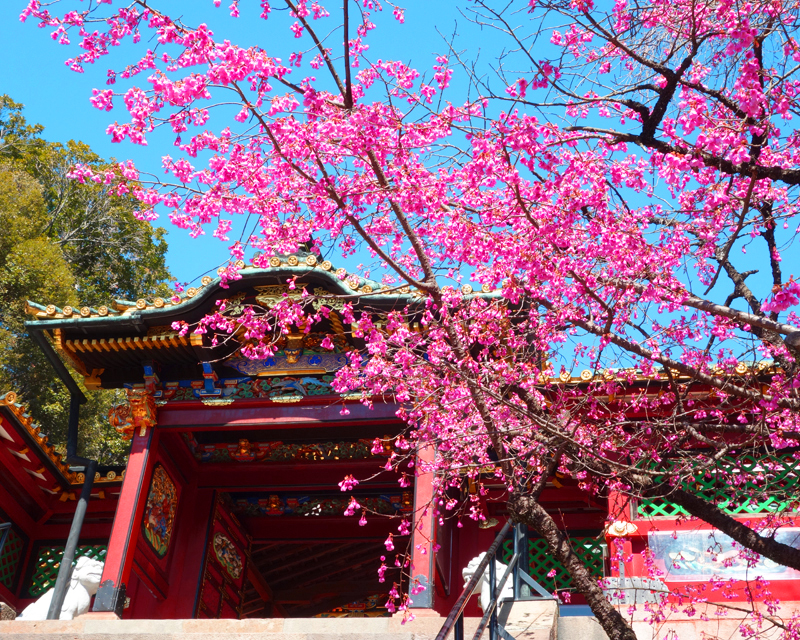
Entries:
{"x":229,"y":505}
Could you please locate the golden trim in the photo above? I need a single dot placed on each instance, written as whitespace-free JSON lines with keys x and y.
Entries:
{"x":10,"y":400}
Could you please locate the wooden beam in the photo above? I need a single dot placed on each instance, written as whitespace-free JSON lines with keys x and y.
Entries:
{"x":274,"y":476}
{"x":347,"y":589}
{"x":321,"y":569}
{"x":266,"y":529}
{"x":321,"y":412}
{"x":259,"y":584}
{"x":75,"y":345}
{"x":306,"y":558}
{"x":350,"y":567}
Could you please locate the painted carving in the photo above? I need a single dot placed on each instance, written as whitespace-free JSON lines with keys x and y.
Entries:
{"x":702,"y":556}
{"x":255,"y":505}
{"x":83,"y":584}
{"x":227,"y":555}
{"x":271,"y":295}
{"x":277,"y":451}
{"x":139,"y":413}
{"x":159,"y":513}
{"x":371,"y":607}
{"x":483,"y":584}
{"x":233,"y":306}
{"x":245,"y":452}
{"x":246,"y":388}
{"x":293,"y":347}
{"x":301,"y":364}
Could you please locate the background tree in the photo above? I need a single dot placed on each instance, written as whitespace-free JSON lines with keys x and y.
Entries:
{"x":64,"y":243}
{"x":601,"y":191}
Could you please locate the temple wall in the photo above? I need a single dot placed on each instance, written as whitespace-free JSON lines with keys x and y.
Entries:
{"x":172,"y":534}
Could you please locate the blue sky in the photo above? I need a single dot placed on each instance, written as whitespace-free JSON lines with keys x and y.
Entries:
{"x":34,"y":74}
{"x":58,"y":98}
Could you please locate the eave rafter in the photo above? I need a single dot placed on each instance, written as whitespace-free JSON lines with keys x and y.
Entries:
{"x":135,"y":343}
{"x":52,"y":478}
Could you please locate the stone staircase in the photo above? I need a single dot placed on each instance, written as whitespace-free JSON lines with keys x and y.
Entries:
{"x":524,"y":620}
{"x":530,"y":620}
{"x":267,"y":629}
{"x":533,"y":620}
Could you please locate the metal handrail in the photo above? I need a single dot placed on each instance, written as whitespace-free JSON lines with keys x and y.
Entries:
{"x":491,"y":610}
{"x":516,"y":568}
{"x":455,"y":615}
{"x":5,"y":529}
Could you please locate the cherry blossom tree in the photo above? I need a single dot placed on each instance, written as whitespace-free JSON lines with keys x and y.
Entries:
{"x":618,"y":194}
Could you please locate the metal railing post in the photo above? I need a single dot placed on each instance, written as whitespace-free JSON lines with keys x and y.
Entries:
{"x":493,"y":596}
{"x":5,"y":529}
{"x":458,"y":628}
{"x":65,"y":569}
{"x":522,"y":581}
{"x":517,"y":550}
{"x":458,"y":608}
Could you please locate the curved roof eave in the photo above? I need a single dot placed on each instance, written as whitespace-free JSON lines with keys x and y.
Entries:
{"x":143,"y":312}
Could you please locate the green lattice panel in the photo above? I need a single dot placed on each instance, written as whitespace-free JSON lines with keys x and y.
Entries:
{"x":46,"y":572}
{"x":9,"y":561}
{"x":770,"y":484}
{"x":541,"y":562}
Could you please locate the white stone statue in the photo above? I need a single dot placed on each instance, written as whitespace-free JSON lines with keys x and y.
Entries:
{"x":83,"y":584}
{"x":483,"y":584}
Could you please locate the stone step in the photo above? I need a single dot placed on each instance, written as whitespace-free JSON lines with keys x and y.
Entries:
{"x":580,"y":628}
{"x":93,"y":628}
{"x":530,"y":620}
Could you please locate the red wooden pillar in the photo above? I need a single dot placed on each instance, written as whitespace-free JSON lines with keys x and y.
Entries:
{"x":618,"y":529}
{"x":127,"y":524}
{"x":422,"y":538}
{"x":619,"y":507}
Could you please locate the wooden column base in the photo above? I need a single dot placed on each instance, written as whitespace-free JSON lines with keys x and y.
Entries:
{"x":109,"y":599}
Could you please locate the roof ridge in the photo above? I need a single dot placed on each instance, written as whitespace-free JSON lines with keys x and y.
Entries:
{"x":120,"y":307}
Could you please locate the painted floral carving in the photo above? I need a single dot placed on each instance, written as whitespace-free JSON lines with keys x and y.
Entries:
{"x":227,"y":555}
{"x":159,"y":513}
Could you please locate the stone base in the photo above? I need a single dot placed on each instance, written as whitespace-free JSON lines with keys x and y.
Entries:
{"x":524,"y":620}
{"x":530,"y":620}
{"x":98,"y":615}
{"x":91,"y":627}
{"x":7,"y":612}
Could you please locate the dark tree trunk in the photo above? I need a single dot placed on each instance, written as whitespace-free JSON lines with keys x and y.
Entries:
{"x":528,"y":511}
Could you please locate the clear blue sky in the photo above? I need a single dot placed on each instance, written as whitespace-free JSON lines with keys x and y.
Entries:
{"x":34,"y":74}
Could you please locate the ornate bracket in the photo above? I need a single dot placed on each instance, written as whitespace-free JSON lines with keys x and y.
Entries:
{"x":138,"y":413}
{"x":210,"y":378}
{"x":152,"y":384}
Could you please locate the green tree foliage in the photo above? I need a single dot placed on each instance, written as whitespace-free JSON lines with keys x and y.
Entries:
{"x":64,"y":243}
